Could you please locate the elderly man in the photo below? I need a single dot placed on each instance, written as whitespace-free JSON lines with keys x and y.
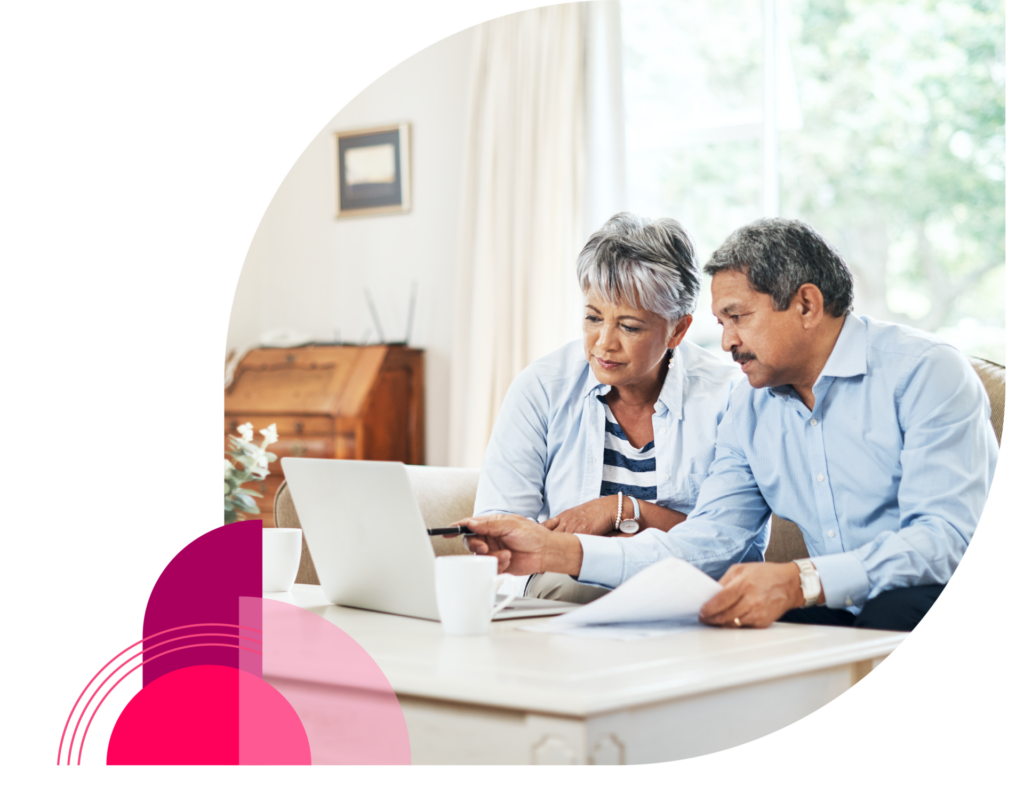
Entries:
{"x":873,"y":438}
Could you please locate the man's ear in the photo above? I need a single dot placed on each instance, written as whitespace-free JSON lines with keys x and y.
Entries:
{"x":682,"y":326}
{"x":810,"y":304}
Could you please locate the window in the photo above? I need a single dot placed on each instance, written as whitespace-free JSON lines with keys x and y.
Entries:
{"x":880,"y":123}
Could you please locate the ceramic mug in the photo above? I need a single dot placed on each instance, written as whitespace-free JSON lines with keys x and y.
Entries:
{"x":466,"y":586}
{"x":282,"y":550}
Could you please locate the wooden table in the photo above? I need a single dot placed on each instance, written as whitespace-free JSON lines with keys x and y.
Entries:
{"x":519,"y":697}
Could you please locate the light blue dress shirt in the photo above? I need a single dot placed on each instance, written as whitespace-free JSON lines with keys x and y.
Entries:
{"x":886,"y":477}
{"x":546,"y":451}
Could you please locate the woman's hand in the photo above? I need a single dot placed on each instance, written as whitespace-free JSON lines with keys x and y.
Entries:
{"x":596,"y":517}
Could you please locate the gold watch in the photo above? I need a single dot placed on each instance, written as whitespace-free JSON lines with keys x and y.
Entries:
{"x":810,"y":582}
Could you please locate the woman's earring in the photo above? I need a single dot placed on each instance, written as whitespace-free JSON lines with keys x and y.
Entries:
{"x":671,"y":363}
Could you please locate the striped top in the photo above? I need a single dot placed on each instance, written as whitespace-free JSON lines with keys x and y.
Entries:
{"x":626,"y":468}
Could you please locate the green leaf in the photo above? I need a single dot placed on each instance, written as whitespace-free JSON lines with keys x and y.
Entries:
{"x":246,"y":501}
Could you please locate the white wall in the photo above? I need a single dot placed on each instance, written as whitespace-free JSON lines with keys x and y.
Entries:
{"x":306,"y":269}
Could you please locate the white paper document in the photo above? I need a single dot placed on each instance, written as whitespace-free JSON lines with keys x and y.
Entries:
{"x":662,"y":598}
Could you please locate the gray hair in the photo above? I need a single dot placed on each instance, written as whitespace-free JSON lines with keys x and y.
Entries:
{"x":779,"y":255}
{"x":643,"y":263}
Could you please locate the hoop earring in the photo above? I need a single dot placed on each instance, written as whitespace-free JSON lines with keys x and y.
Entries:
{"x":671,"y":361}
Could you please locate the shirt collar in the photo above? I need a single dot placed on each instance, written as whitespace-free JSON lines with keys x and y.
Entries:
{"x":849,"y":356}
{"x":672,"y":390}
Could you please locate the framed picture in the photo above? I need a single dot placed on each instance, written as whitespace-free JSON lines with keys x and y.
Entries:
{"x":373,"y":171}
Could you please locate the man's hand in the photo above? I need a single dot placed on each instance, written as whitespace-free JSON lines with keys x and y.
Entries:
{"x":522,"y":546}
{"x":596,"y":517}
{"x":758,"y":593}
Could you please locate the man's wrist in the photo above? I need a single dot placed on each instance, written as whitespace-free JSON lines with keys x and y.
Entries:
{"x":563,"y":553}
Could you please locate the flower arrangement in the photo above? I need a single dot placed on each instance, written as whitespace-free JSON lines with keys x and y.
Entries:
{"x":254,"y":461}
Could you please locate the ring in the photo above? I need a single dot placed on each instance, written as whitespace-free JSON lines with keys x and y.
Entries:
{"x":737,"y":622}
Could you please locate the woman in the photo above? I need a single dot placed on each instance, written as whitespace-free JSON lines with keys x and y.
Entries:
{"x":616,"y":434}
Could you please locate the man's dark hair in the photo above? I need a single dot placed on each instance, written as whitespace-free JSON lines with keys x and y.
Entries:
{"x":779,"y":255}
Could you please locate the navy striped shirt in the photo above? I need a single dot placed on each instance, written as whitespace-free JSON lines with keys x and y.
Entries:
{"x":626,"y":468}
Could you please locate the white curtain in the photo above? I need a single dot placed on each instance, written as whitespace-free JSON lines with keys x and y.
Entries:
{"x":521,"y":225}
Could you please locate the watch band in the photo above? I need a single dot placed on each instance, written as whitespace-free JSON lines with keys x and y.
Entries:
{"x":810,"y":582}
{"x":636,"y":508}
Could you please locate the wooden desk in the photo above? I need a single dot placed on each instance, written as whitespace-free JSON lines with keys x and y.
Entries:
{"x":518,"y":697}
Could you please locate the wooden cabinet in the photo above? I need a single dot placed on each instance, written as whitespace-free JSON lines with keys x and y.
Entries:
{"x":329,"y":401}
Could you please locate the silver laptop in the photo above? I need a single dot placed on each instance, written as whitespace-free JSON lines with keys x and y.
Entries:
{"x":368,"y":540}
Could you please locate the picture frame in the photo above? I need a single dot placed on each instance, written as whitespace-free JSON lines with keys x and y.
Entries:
{"x":372,"y":174}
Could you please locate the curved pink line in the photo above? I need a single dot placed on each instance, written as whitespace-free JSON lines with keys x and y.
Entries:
{"x":85,"y":733}
{"x":85,"y":708}
{"x":60,"y":748}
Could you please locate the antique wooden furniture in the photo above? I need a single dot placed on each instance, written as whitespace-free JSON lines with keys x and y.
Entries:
{"x":329,"y":401}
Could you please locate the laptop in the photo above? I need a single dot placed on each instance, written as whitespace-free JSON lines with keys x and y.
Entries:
{"x":368,"y":540}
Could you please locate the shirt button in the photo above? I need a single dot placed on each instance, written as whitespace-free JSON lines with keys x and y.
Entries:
{"x":849,"y":602}
{"x":662,"y":431}
{"x":814,"y":422}
{"x":821,"y":478}
{"x":664,"y":477}
{"x":831,"y":533}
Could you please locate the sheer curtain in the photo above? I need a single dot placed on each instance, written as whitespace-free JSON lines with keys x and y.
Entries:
{"x":521,"y":225}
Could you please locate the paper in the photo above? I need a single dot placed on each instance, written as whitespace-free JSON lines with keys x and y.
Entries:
{"x":670,"y":590}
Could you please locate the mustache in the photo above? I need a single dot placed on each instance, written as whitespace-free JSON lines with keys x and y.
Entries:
{"x":740,"y":358}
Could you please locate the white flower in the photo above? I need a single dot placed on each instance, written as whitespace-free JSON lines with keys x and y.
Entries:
{"x":228,"y":465}
{"x":245,"y":431}
{"x":262,"y":462}
{"x":269,"y":434}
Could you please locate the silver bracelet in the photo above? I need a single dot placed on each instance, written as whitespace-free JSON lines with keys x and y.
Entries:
{"x":618,"y":517}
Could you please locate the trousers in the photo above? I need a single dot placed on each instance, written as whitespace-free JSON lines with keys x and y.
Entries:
{"x":900,"y":609}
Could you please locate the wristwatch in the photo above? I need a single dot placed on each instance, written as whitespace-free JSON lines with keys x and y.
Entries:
{"x":631,"y":525}
{"x":810,"y":582}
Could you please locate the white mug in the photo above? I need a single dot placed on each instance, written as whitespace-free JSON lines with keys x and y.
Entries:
{"x":465,"y":587}
{"x":282,"y":550}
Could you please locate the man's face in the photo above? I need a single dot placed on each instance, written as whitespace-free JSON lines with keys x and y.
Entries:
{"x":768,"y":344}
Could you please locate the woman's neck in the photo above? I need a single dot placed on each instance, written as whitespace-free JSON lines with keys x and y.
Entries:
{"x":638,"y":396}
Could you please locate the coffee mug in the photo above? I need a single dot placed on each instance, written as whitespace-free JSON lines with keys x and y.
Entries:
{"x":466,"y":586}
{"x":282,"y":550}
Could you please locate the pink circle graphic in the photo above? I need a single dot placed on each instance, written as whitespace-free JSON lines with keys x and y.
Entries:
{"x":208,"y":714}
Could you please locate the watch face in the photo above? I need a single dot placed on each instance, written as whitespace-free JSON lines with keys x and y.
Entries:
{"x":629,"y":526}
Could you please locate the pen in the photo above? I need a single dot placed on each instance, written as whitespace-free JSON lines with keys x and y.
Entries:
{"x":459,"y":530}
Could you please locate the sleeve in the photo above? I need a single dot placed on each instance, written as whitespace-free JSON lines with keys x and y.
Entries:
{"x":947,"y":461}
{"x":729,"y":518}
{"x":515,"y":462}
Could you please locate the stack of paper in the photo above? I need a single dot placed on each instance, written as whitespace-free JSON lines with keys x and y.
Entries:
{"x":663,"y":598}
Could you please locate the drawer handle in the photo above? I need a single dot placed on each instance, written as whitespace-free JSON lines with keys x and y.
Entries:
{"x":298,"y":450}
{"x":298,"y":427}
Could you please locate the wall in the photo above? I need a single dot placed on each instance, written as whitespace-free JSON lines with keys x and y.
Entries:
{"x":307,"y":270}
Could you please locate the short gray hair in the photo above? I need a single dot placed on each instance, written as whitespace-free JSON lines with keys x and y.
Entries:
{"x":779,"y":255}
{"x":643,"y":263}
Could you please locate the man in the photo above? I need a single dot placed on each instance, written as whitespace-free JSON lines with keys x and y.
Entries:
{"x":873,"y":438}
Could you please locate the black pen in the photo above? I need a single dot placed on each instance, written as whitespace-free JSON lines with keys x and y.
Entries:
{"x":459,"y":530}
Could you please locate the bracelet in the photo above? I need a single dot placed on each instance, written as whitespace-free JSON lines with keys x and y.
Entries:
{"x":618,"y":517}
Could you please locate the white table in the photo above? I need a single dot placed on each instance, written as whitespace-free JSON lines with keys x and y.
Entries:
{"x":519,"y":697}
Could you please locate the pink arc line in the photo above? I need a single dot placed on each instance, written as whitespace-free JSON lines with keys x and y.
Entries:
{"x":81,"y":744}
{"x":134,"y":657}
{"x":60,"y":748}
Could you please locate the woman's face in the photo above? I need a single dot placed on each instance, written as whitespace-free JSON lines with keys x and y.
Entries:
{"x":625,"y":345}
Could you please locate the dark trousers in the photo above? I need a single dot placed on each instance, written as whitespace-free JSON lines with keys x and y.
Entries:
{"x":894,"y":610}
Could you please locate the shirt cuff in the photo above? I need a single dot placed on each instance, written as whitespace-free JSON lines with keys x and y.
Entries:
{"x":843,"y":579}
{"x":602,"y":561}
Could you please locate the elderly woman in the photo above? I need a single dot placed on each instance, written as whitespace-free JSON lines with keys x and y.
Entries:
{"x":617,"y":434}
